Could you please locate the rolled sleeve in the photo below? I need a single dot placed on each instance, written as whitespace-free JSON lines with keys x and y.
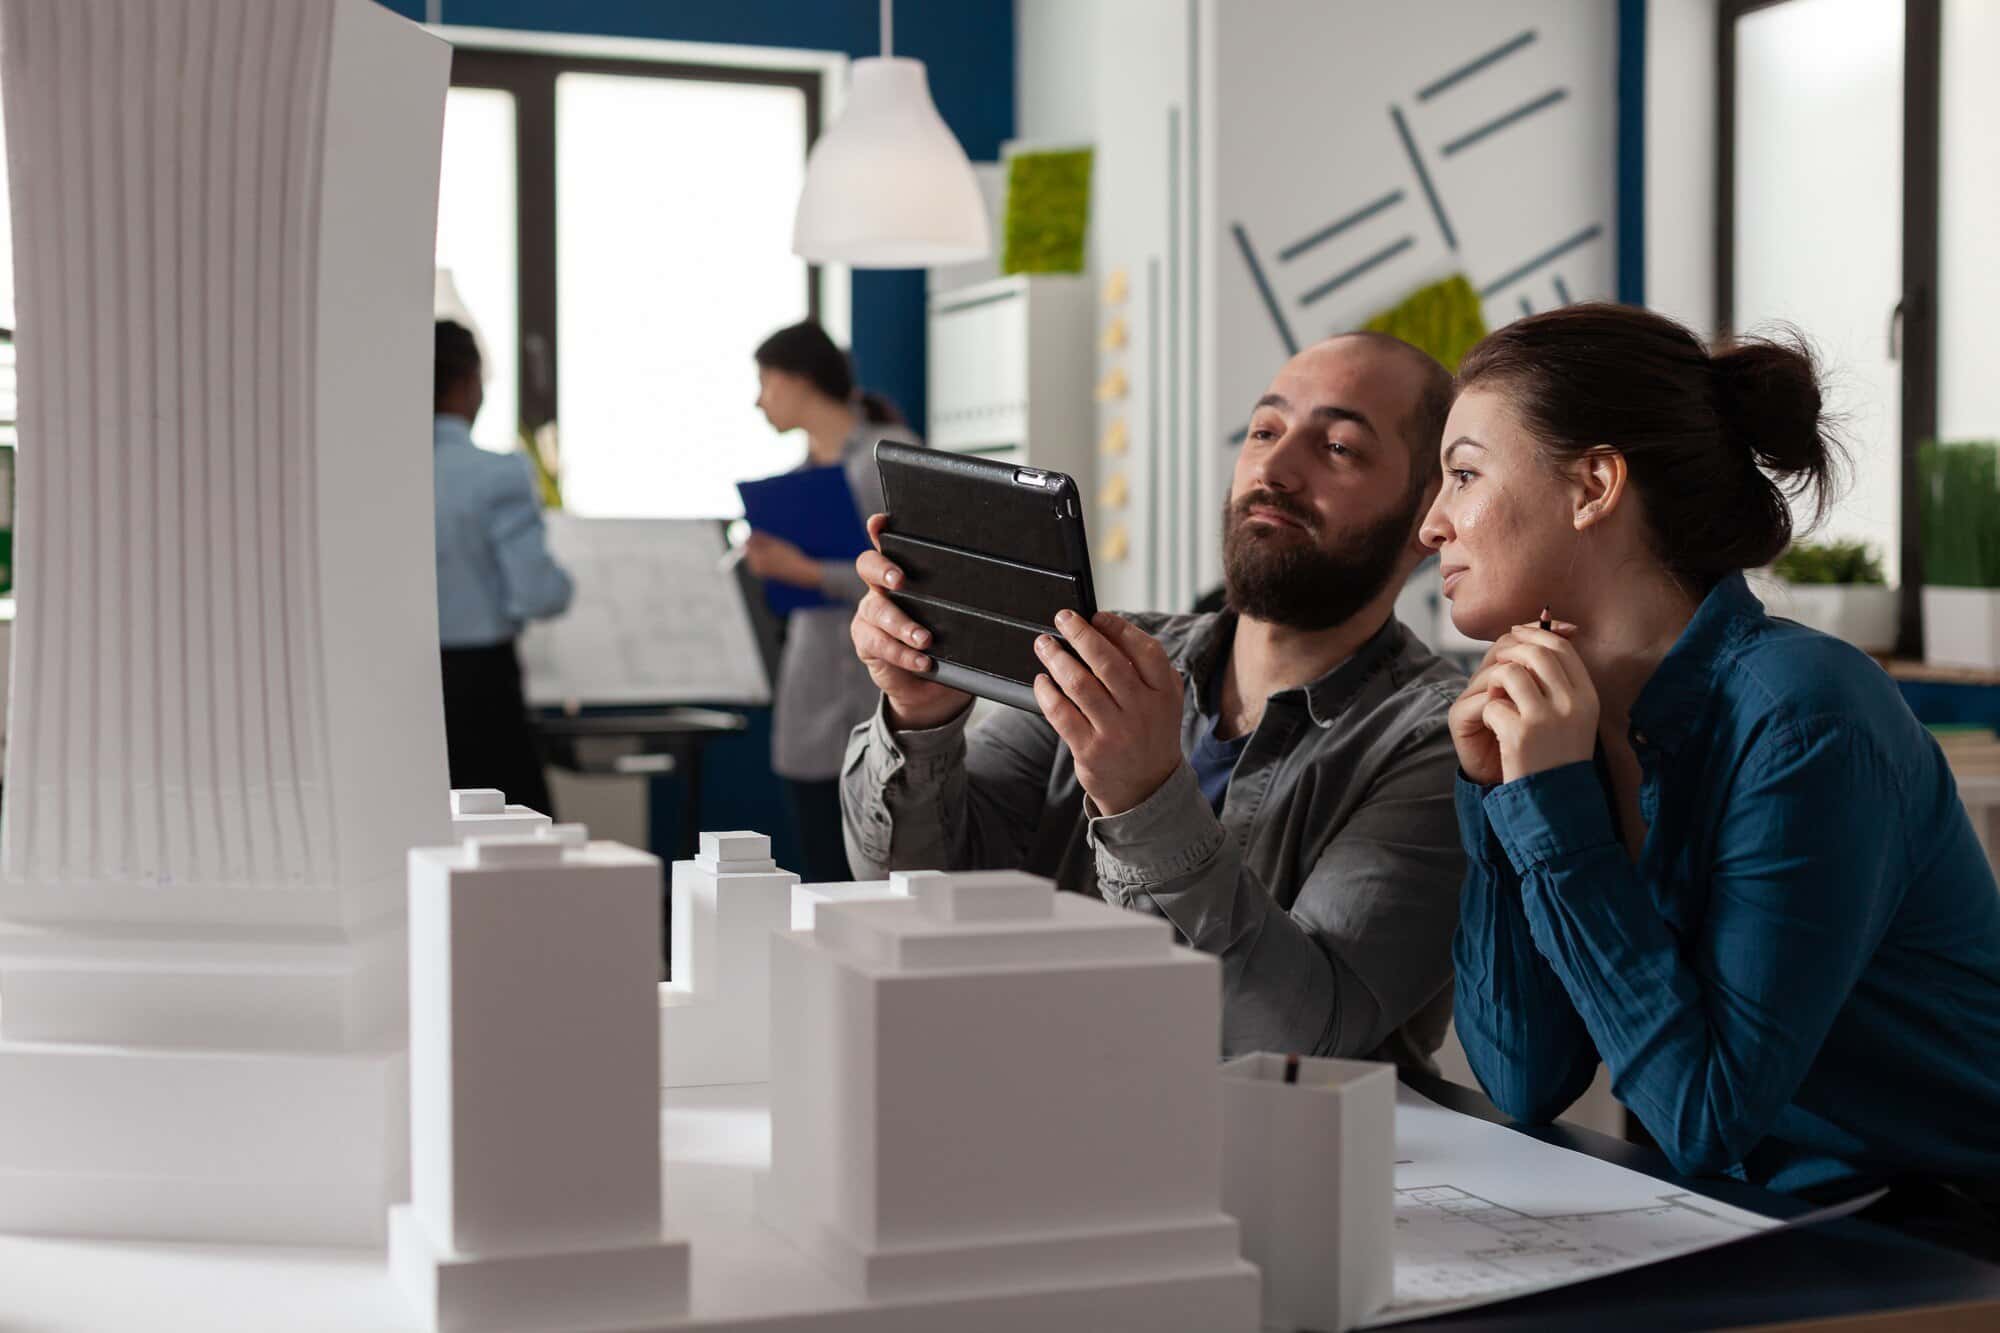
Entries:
{"x":1167,"y":836}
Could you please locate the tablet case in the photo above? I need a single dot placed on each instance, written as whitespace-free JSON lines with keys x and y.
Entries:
{"x":990,"y":552}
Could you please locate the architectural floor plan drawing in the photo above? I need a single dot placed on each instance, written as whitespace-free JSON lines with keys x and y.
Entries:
{"x":1486,"y":1214}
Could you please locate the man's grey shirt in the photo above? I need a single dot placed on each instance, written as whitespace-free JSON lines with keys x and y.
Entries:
{"x":1328,"y":886}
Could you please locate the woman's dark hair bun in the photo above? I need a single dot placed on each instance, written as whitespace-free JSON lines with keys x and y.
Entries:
{"x":1767,"y":394}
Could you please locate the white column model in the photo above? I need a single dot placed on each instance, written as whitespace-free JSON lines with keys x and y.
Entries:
{"x":989,"y":1089}
{"x":227,"y":726}
{"x":715,"y":1012}
{"x":535,"y":1091}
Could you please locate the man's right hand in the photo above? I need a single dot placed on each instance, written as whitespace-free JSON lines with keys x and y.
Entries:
{"x":891,"y":645}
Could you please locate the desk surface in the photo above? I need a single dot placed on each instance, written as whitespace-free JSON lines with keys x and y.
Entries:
{"x":717,"y":1137}
{"x":1840,"y":1268}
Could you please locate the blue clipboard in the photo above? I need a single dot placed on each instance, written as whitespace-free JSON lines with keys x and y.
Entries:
{"x":813,"y":508}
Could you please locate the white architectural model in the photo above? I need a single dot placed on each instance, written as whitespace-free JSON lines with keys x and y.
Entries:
{"x":715,"y":1012}
{"x":1309,"y":1169}
{"x":483,"y":812}
{"x":990,"y":1088}
{"x":535,"y":1092}
{"x":227,"y":726}
{"x":807,"y":899}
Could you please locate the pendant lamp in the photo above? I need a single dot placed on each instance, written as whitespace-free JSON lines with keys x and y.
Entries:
{"x":888,"y":186}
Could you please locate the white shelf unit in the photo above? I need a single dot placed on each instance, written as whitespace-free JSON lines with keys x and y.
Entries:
{"x":1010,"y":373}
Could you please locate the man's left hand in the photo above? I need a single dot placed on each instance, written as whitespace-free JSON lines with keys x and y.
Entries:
{"x":775,"y":558}
{"x":1118,"y":708}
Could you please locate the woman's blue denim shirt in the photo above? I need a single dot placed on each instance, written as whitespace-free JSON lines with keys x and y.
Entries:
{"x":1799,"y":978}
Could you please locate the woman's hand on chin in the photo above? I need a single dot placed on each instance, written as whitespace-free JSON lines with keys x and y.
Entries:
{"x":1534,"y":700}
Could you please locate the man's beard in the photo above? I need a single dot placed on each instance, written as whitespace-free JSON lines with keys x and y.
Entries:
{"x":1290,"y":578}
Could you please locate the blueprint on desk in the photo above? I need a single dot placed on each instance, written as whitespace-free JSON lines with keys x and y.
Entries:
{"x":1485,"y":1214}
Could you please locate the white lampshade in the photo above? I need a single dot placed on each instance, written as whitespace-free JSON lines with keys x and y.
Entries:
{"x":888,"y":186}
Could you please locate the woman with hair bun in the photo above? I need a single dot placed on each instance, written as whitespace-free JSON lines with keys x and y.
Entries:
{"x":805,"y":382}
{"x":1713,"y":849}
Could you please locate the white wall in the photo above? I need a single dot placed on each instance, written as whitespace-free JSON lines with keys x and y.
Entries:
{"x":1055,"y":58}
{"x":1969,"y":240}
{"x":1305,"y":134}
{"x":1680,"y":160}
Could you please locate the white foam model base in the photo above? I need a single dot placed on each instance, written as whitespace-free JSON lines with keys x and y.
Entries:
{"x":306,"y":990}
{"x":747,"y":1279}
{"x":247,"y":1146}
{"x":622,"y":1286}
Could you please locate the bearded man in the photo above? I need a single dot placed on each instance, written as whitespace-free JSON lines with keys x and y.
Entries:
{"x":1276,"y":779}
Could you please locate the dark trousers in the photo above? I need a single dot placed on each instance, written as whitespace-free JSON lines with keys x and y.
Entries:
{"x":486,"y":729}
{"x":816,"y":812}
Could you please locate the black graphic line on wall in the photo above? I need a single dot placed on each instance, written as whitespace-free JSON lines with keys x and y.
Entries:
{"x":1264,"y":289}
{"x":1562,"y":290}
{"x":1473,"y":66}
{"x":1501,"y":122}
{"x":1333,"y":229}
{"x":1237,"y":436}
{"x":1526,"y":308}
{"x":1542,"y":260}
{"x":1423,"y":178}
{"x":1349,"y":274}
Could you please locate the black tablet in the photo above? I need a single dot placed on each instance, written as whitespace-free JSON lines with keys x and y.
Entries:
{"x":990,"y":552}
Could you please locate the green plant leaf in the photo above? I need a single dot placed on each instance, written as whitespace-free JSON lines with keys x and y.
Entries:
{"x":1960,"y":509}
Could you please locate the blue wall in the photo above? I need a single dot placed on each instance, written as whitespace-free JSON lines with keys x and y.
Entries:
{"x":967,"y":44}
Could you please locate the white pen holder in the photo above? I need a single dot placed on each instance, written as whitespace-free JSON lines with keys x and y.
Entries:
{"x":1309,"y":1170}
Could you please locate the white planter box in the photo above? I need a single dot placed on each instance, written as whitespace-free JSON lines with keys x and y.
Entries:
{"x":1962,"y":627}
{"x":1309,"y":1169}
{"x":1864,"y":614}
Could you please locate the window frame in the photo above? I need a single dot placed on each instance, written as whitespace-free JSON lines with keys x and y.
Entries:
{"x":1914,"y":326}
{"x":531,"y":79}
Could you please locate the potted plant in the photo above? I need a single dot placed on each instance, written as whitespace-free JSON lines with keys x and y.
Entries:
{"x":1961,"y":518}
{"x":1836,"y":588}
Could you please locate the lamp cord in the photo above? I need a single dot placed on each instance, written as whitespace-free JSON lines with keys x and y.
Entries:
{"x":888,"y":28}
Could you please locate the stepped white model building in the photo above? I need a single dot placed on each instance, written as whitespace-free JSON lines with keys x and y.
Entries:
{"x":991,"y":1089}
{"x":535,"y":1091}
{"x":715,"y":1010}
{"x":226,"y":725}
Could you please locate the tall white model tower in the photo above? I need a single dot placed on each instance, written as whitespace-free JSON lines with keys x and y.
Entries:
{"x":226,"y":729}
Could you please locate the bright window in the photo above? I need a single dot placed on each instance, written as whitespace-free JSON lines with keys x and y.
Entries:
{"x":674,"y":201}
{"x":478,"y":247}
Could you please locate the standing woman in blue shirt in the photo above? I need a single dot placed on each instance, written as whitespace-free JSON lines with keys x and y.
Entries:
{"x":806,"y":382}
{"x":1713,"y":849}
{"x":494,"y":575}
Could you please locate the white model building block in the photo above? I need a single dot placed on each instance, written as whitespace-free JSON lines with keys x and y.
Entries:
{"x":483,"y":812}
{"x":991,"y":1087}
{"x":715,"y":1009}
{"x":1309,"y":1169}
{"x":808,"y":898}
{"x":229,"y":728}
{"x":534,"y":1099}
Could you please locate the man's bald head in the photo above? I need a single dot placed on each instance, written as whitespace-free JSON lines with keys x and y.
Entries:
{"x":1430,"y":389}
